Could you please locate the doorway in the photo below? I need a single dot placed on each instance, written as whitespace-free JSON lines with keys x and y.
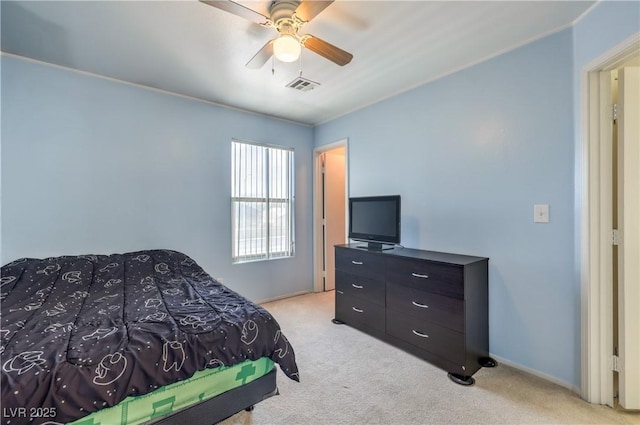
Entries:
{"x":611,"y":229}
{"x":330,"y":212}
{"x":625,"y":142}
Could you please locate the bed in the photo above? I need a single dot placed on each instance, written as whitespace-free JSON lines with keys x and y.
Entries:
{"x":88,"y":335}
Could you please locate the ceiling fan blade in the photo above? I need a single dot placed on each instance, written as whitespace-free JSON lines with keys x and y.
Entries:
{"x":261,"y":57}
{"x":327,"y":50}
{"x":309,"y":9}
{"x":238,"y":9}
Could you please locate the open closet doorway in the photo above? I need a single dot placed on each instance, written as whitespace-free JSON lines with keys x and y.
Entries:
{"x":625,"y":91}
{"x":611,"y":227}
{"x":330,"y":212}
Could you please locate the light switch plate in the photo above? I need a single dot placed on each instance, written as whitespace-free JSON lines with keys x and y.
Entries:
{"x":541,"y":213}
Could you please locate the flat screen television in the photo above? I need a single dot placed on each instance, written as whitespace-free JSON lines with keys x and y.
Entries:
{"x":375,"y":220}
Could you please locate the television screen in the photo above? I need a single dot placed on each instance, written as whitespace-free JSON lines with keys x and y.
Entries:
{"x":375,"y":218}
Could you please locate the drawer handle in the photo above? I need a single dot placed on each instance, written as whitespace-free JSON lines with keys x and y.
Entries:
{"x":357,"y":263}
{"x":421,"y":276}
{"x":340,"y":292}
{"x":421,"y":335}
{"x":419,"y":305}
{"x":357,"y":286}
{"x":357,"y":310}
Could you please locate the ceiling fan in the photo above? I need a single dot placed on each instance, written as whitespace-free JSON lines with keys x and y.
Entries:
{"x":287,"y":17}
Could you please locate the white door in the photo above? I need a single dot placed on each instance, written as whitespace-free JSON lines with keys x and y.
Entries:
{"x":334,"y":210}
{"x":629,"y":236}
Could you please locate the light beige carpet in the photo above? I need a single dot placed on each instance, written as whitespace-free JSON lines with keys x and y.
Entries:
{"x":348,"y":377}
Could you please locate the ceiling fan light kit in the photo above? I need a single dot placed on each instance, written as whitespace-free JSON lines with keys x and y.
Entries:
{"x":286,"y":48}
{"x":287,"y":17}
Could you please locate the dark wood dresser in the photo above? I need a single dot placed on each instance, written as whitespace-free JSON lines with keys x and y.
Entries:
{"x":431,"y":304}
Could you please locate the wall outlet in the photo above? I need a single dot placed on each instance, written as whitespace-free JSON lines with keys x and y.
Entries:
{"x":541,"y":213}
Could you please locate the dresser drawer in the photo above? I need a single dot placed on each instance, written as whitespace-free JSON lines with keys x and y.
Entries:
{"x":436,"y":339}
{"x":367,"y":288}
{"x":426,"y":306}
{"x":359,"y":262}
{"x":438,"y":278}
{"x":356,"y":310}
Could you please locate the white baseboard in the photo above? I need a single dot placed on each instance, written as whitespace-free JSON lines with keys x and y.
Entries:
{"x":281,"y":297}
{"x":537,"y":373}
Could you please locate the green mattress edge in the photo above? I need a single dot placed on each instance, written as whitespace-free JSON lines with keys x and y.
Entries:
{"x":203,"y":385}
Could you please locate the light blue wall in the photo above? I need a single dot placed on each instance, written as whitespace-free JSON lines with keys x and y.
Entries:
{"x":606,"y":25}
{"x":471,"y":154}
{"x":91,"y":165}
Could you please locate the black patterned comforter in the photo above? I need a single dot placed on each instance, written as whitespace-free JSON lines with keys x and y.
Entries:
{"x":80,"y":333}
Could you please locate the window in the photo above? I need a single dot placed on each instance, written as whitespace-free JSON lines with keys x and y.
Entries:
{"x":261,"y":201}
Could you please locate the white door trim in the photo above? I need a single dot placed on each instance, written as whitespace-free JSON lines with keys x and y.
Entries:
{"x":317,"y":206}
{"x":595,"y":227}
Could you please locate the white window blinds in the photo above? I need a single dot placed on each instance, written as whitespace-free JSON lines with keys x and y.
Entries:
{"x":261,"y":201}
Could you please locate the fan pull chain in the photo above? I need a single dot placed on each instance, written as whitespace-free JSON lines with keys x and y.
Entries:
{"x":300,"y":62}
{"x":273,"y":65}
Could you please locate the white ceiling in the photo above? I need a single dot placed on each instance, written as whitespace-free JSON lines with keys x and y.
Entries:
{"x":193,"y":49}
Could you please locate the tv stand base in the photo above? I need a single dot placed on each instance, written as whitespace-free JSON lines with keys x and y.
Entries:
{"x":376,"y":246}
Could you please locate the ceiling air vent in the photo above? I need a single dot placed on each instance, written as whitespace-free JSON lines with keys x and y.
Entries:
{"x":302,"y":84}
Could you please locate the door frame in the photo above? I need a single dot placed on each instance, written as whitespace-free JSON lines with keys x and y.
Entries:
{"x":596,"y":226}
{"x":318,"y":247}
